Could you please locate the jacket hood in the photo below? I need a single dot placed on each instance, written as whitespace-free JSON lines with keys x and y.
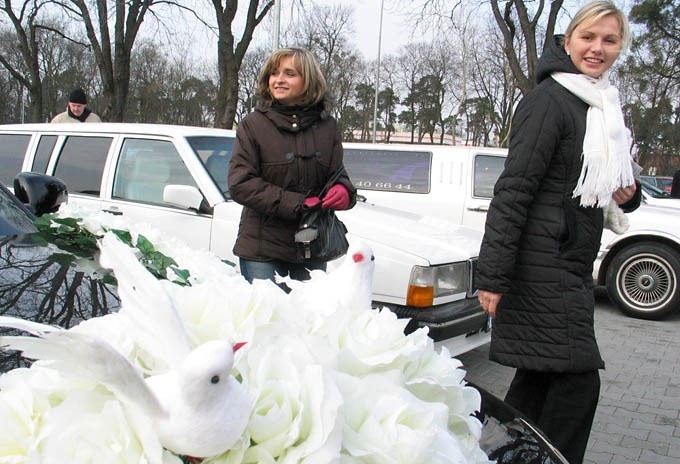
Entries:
{"x":554,"y":59}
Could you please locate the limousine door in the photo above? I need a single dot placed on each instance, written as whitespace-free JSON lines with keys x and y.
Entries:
{"x":140,"y":174}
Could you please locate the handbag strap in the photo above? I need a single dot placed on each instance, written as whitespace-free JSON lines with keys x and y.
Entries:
{"x":336,"y":175}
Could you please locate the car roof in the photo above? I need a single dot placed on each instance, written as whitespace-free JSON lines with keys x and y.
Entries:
{"x":424,"y":147}
{"x":117,"y":128}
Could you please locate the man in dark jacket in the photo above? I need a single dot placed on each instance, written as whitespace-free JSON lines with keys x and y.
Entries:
{"x":542,"y":237}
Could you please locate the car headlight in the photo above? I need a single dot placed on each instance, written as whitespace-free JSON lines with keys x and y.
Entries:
{"x":428,"y":283}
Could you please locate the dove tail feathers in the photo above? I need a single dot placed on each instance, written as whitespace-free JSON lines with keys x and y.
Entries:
{"x":82,"y":356}
{"x":147,"y":308}
{"x":31,"y":327}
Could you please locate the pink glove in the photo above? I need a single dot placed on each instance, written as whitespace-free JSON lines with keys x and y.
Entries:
{"x":337,"y":198}
{"x":311,"y":202}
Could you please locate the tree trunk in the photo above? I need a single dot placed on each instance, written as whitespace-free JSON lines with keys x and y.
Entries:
{"x":229,"y":58}
{"x":506,"y":23}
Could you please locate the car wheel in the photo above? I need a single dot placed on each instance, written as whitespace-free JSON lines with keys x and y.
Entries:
{"x":643,"y":280}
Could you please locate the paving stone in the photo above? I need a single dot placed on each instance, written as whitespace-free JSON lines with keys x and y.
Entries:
{"x":615,"y":450}
{"x":598,"y":458}
{"x":638,"y":415}
{"x":659,"y":448}
{"x":674,"y":451}
{"x":651,"y":457}
{"x":640,"y":434}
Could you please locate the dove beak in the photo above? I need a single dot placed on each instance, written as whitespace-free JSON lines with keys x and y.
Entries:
{"x":357,"y":257}
{"x":238,"y":346}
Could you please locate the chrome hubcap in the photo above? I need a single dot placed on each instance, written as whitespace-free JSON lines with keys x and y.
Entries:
{"x":646,"y":281}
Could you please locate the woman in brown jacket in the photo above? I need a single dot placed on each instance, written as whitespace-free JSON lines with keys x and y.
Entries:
{"x":285,"y":152}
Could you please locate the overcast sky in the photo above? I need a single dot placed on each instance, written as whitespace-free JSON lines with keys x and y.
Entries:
{"x":395,"y":32}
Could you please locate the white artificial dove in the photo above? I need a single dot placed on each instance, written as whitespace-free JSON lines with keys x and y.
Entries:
{"x":350,"y":284}
{"x":198,"y":408}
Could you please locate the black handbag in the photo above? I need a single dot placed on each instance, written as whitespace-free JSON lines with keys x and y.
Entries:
{"x":321,"y":235}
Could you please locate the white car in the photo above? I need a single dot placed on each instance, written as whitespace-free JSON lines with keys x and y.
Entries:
{"x":175,"y":179}
{"x":655,"y":196}
{"x":640,"y":268}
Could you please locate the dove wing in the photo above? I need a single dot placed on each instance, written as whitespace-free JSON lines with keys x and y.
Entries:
{"x":151,"y":316}
{"x":84,"y":356}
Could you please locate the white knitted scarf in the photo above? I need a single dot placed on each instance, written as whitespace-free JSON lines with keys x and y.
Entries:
{"x":607,"y":164}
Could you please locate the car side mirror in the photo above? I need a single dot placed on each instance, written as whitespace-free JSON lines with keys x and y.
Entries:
{"x":183,"y":196}
{"x":39,"y":192}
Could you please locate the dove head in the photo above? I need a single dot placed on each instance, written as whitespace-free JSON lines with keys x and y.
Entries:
{"x":205,"y":372}
{"x":360,"y":255}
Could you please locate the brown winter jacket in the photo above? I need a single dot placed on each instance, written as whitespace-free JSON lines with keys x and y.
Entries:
{"x":282,"y":155}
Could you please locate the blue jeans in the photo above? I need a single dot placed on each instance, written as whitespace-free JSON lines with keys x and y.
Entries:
{"x":266,"y":270}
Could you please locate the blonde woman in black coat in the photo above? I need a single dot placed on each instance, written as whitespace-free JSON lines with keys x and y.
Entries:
{"x":569,"y":158}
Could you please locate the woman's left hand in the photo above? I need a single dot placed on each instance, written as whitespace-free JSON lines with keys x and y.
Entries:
{"x":624,"y":194}
{"x":337,"y":198}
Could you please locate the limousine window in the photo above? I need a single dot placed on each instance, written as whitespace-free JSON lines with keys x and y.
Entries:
{"x":215,"y":153}
{"x":145,"y":167}
{"x":43,"y":152}
{"x":81,"y":163}
{"x":389,"y":170}
{"x":12,"y":151}
{"x":487,"y":170}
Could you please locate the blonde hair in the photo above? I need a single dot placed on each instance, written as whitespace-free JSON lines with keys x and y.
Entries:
{"x":597,"y":10}
{"x":306,"y":64}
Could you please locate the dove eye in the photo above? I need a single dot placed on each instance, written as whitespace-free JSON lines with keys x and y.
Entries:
{"x":215,"y":379}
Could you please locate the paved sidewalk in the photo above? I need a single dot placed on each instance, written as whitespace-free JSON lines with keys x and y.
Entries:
{"x":637,"y":419}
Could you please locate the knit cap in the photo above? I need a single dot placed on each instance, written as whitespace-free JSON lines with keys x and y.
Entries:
{"x":78,"y":96}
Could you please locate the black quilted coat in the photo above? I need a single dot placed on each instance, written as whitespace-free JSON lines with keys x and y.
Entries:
{"x":539,"y":243}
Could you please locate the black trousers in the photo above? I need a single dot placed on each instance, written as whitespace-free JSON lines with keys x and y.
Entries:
{"x":561,"y":404}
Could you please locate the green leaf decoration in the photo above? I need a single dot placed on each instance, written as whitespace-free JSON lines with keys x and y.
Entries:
{"x":68,"y":234}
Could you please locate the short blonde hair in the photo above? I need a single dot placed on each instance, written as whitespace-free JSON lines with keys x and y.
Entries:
{"x":306,"y":64}
{"x":597,"y":10}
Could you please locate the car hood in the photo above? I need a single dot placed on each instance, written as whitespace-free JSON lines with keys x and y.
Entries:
{"x":40,"y":283}
{"x":658,"y":220}
{"x":673,"y":203}
{"x":433,"y":240}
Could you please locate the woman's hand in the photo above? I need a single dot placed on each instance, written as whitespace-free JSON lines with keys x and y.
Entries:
{"x":311,"y":202}
{"x":624,"y":194}
{"x":337,"y":198}
{"x":489,"y":301}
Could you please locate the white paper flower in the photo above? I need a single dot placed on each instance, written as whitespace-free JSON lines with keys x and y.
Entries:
{"x":370,"y":340}
{"x":92,"y":426}
{"x":385,"y":423}
{"x":225,"y":307}
{"x":20,"y":409}
{"x":296,"y":413}
{"x":438,"y":377}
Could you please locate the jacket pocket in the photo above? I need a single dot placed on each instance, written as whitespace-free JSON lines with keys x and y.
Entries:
{"x":569,"y":235}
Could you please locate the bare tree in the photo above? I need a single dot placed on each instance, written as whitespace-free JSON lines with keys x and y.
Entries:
{"x":25,"y":22}
{"x":112,"y":52}
{"x":325,"y":31}
{"x":522,"y":24}
{"x":230,"y":54}
{"x":64,"y":65}
{"x":250,"y":70}
{"x":445,"y":65}
{"x":515,"y":11}
{"x":492,"y":79}
{"x":407,"y":71}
